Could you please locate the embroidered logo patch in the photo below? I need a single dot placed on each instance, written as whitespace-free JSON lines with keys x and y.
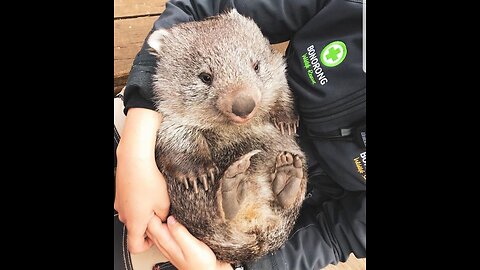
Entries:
{"x":333,"y":54}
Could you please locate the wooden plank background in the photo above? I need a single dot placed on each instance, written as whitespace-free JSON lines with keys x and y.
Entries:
{"x":129,"y":35}
{"x":132,"y":20}
{"x":137,"y":8}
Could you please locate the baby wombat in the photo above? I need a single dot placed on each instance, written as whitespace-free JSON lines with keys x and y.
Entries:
{"x":236,"y":176}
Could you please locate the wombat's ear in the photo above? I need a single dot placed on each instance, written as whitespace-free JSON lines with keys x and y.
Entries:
{"x":156,"y":39}
{"x":234,"y":12}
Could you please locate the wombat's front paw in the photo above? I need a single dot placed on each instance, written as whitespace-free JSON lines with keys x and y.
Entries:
{"x":232,"y":187}
{"x":286,"y":124}
{"x":203,"y":175}
{"x":287,"y":178}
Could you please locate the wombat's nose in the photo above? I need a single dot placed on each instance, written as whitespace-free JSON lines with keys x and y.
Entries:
{"x":243,"y":106}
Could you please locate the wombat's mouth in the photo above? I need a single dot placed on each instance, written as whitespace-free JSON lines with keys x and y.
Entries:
{"x":240,"y":120}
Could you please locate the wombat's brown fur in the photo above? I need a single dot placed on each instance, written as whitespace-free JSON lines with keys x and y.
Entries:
{"x":236,"y":176}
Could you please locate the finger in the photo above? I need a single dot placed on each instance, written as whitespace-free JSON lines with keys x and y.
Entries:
{"x":187,"y":242}
{"x":162,"y":213}
{"x":161,"y":236}
{"x":153,"y":237}
{"x":161,"y":249}
{"x":121,"y":218}
{"x":137,"y":242}
{"x":115,"y":203}
{"x":162,"y":209}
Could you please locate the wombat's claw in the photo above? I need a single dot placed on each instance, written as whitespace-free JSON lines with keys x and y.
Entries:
{"x":191,"y":179}
{"x":282,"y":126}
{"x":204,"y":181}
{"x":185,"y":182}
{"x":232,"y":186}
{"x":211,"y":172}
{"x":286,"y":178}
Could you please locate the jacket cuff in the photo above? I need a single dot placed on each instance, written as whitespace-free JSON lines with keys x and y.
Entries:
{"x":134,"y":99}
{"x":267,"y":262}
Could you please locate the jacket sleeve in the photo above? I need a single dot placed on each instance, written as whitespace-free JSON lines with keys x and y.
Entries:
{"x":278,"y":20}
{"x":323,"y":235}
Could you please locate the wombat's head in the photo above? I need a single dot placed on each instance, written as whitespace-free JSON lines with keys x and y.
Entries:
{"x":221,"y":70}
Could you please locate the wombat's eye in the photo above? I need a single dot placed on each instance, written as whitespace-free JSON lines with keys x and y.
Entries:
{"x":206,"y":78}
{"x":256,"y":67}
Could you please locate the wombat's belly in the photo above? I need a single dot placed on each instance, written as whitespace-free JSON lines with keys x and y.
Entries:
{"x":251,"y":208}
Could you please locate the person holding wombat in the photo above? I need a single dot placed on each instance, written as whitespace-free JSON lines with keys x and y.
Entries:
{"x":326,"y":77}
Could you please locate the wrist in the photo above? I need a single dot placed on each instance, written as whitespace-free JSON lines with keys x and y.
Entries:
{"x":134,"y":152}
{"x":139,"y":135}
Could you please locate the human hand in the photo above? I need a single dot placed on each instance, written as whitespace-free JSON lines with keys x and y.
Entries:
{"x":181,"y":248}
{"x":141,"y":190}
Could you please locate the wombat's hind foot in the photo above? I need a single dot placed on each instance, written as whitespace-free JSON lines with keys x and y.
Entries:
{"x":287,"y":178}
{"x":232,"y":187}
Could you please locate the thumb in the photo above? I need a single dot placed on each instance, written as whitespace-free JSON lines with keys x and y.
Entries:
{"x":138,"y":243}
{"x":182,"y":236}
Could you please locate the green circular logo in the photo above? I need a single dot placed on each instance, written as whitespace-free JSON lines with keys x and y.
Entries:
{"x":333,"y":54}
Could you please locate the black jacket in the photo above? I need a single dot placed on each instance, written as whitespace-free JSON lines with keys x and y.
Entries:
{"x":324,"y":60}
